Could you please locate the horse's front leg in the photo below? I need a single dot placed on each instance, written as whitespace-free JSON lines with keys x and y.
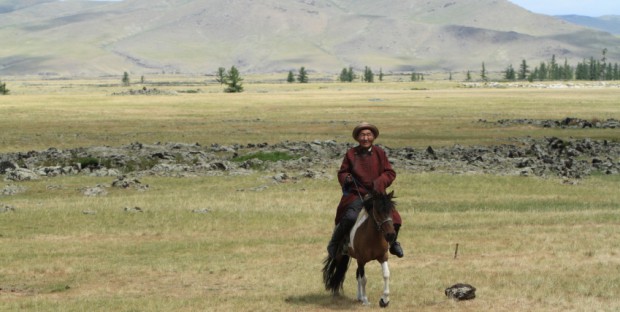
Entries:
{"x":361,"y":284}
{"x":385,"y":298}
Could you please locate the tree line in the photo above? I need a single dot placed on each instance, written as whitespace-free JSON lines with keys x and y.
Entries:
{"x":589,"y":69}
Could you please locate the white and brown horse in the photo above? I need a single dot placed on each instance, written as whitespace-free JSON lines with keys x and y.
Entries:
{"x":370,"y":239}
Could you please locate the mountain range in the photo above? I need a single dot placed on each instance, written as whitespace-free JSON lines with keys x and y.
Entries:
{"x":608,"y":23}
{"x":94,"y":38}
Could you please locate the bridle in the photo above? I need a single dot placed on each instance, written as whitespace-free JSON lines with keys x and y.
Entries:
{"x":378,"y":224}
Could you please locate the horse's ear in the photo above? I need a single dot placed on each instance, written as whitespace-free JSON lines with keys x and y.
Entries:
{"x":391,"y":195}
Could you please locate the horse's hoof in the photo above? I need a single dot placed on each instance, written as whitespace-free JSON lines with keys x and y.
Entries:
{"x":383,"y":304}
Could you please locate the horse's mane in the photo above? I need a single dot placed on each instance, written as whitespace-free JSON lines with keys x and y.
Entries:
{"x":385,"y":202}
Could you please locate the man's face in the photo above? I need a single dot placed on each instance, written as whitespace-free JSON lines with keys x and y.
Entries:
{"x":365,"y":138}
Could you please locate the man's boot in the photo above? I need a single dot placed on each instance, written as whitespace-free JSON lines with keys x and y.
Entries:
{"x":343,"y":228}
{"x":395,"y":248}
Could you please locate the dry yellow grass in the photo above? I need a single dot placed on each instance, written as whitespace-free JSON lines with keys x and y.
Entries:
{"x":84,"y":113}
{"x":263,"y":250}
{"x":527,"y":244}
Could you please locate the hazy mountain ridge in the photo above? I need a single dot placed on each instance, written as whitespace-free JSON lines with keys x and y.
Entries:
{"x":191,"y":36}
{"x":608,"y":23}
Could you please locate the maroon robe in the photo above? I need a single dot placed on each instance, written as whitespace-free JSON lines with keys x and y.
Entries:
{"x":370,"y":170}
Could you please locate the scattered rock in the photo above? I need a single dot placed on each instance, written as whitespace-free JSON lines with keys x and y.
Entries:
{"x":124,"y":182}
{"x":282,"y":178}
{"x":20,"y":174}
{"x":561,"y":157}
{"x":98,"y":190}
{"x":5,"y":166}
{"x":133,"y":209}
{"x":6,"y":208}
{"x":461,"y":291}
{"x":255,"y":189}
{"x":12,"y":189}
{"x":204,"y":210}
{"x":566,"y":123}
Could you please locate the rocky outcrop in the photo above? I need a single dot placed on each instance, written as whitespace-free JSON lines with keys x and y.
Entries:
{"x":566,"y":123}
{"x":571,"y":158}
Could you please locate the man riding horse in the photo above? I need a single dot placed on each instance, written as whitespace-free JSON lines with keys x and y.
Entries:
{"x":364,"y":168}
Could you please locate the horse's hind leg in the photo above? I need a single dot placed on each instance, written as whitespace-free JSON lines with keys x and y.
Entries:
{"x":361,"y":285}
{"x":385,"y":298}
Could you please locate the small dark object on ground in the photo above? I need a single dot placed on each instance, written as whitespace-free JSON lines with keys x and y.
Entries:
{"x":461,"y":291}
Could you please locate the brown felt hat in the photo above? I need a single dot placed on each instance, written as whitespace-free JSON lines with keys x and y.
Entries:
{"x":363,"y":126}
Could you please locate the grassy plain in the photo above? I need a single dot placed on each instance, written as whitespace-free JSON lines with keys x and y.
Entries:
{"x":63,"y":113}
{"x":527,"y":244}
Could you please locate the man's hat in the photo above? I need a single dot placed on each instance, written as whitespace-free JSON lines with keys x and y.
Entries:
{"x":363,"y":126}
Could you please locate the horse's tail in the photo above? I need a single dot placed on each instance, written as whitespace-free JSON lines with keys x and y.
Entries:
{"x":334,"y":272}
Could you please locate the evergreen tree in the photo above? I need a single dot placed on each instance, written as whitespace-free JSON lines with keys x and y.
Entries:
{"x":468,"y":76}
{"x":302,"y":77}
{"x":233,"y":81}
{"x":450,"y":77}
{"x":582,"y":71}
{"x":542,"y":72}
{"x":603,"y":65}
{"x":125,"y":79}
{"x":3,"y":89}
{"x":483,"y":73}
{"x":417,"y":76}
{"x":523,"y":70}
{"x":220,"y":76}
{"x":369,"y":76}
{"x":291,"y":77}
{"x":380,"y":74}
{"x":344,"y":75}
{"x":609,"y":72}
{"x":554,"y":69}
{"x":533,"y":75}
{"x":350,"y":74}
{"x":594,"y":69}
{"x":567,"y":71}
{"x":510,"y":73}
{"x":347,"y":75}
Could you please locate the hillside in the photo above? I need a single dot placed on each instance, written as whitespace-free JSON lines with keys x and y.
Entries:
{"x":190,"y":36}
{"x":608,"y":23}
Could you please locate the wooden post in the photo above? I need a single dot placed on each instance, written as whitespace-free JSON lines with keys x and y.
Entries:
{"x":456,"y":250}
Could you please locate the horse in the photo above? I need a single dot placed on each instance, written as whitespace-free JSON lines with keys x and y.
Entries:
{"x":369,"y":242}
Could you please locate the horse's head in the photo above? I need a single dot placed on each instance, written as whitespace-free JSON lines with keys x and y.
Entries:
{"x":379,"y":207}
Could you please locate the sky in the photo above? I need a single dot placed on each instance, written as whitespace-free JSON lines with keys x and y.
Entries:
{"x":594,"y":8}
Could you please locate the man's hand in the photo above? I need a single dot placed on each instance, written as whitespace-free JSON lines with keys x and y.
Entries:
{"x":348,"y":179}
